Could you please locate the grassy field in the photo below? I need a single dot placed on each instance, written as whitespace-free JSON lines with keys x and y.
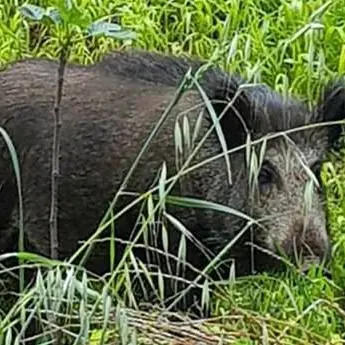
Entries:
{"x":295,"y":47}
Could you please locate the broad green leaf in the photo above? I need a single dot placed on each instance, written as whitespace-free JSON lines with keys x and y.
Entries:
{"x":33,"y":12}
{"x":41,"y":14}
{"x":109,"y":29}
{"x":123,"y":35}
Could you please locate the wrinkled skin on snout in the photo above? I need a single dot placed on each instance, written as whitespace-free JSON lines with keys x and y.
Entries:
{"x":108,"y":111}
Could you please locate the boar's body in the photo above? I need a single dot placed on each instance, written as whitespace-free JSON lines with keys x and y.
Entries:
{"x":108,"y":111}
{"x":106,"y":119}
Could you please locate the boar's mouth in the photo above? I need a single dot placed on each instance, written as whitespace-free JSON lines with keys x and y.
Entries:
{"x":309,"y":262}
{"x":267,"y":261}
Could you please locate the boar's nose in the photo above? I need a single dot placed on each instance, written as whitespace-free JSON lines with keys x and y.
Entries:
{"x":321,"y":249}
{"x":312,"y":241}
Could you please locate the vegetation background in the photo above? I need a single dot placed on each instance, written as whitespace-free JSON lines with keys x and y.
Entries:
{"x":294,"y":46}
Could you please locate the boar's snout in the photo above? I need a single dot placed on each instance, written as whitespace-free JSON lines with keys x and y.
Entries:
{"x":310,"y":244}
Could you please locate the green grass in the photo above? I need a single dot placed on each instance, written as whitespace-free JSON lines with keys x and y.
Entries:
{"x":293,"y":46}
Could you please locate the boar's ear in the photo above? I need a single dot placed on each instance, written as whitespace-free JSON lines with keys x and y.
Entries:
{"x":332,"y":108}
{"x":234,"y":106}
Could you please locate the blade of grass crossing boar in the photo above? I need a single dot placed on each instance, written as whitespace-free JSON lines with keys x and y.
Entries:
{"x":217,"y":126}
{"x":87,"y":246}
{"x":16,"y":168}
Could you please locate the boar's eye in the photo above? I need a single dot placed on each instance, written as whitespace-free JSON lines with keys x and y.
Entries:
{"x":267,"y":176}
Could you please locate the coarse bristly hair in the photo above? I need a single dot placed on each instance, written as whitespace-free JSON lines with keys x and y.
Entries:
{"x":268,"y":112}
{"x":110,"y":108}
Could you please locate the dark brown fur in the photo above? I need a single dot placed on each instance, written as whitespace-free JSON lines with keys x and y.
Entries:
{"x":109,"y":110}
